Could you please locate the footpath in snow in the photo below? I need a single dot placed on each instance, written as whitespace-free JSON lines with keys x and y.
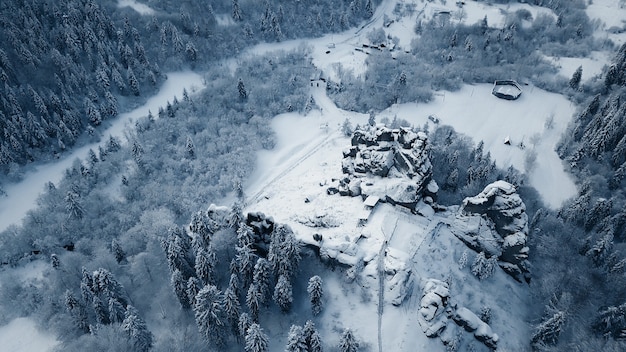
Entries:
{"x":22,"y":196}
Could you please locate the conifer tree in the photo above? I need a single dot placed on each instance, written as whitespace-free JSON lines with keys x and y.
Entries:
{"x":312,"y":337}
{"x":117,"y":250}
{"x":244,"y":324}
{"x":283,"y":295}
{"x":232,"y":307}
{"x":348,"y":342}
{"x":73,"y":206}
{"x":77,"y":311}
{"x":296,"y":341}
{"x":243,"y":93}
{"x":253,"y":301}
{"x":245,"y":262}
{"x":256,"y":339}
{"x":482,"y":267}
{"x":209,"y":313}
{"x":206,"y":260}
{"x":190,"y":149}
{"x":261,"y":278}
{"x":137,"y":331}
{"x":236,"y":11}
{"x":548,"y":331}
{"x":179,"y":284}
{"x":574,"y":82}
{"x":316,"y":292}
{"x":193,"y":287}
{"x":101,"y":310}
{"x":116,"y":311}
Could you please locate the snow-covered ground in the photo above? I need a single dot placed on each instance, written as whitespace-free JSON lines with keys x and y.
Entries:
{"x":474,"y":111}
{"x":23,"y":335}
{"x":22,"y":196}
{"x":592,"y":65}
{"x":611,"y":14}
{"x":142,"y":9}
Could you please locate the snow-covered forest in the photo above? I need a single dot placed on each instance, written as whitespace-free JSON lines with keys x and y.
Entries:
{"x":312,"y":175}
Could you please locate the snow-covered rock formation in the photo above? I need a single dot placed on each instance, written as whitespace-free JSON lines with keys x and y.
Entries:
{"x":437,"y":309}
{"x":391,"y":164}
{"x":433,"y":306}
{"x":506,"y":212}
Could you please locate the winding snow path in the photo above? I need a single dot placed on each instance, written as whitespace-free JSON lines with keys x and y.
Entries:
{"x":22,"y":196}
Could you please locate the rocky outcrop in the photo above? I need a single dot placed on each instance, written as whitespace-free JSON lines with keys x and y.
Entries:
{"x":433,"y":305}
{"x":469,"y":321}
{"x":392,"y":164}
{"x":501,"y":204}
{"x":436,"y":309}
{"x":262,"y":227}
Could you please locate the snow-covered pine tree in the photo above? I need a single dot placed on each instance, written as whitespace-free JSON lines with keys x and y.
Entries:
{"x":245,"y":235}
{"x":611,"y":320}
{"x":296,"y":341}
{"x":77,"y":311}
{"x":105,"y":283}
{"x":261,"y":278}
{"x":548,"y":331}
{"x":482,"y":267}
{"x":133,"y":83}
{"x":283,"y":295}
{"x":116,"y":311}
{"x":137,"y":330}
{"x":73,"y":206}
{"x":193,"y":287}
{"x":256,"y":339}
{"x":244,"y":324}
{"x":177,"y":253}
{"x":206,"y":260}
{"x":253,"y":301}
{"x":118,"y":252}
{"x":236,"y":11}
{"x":236,"y":218}
{"x":284,"y":252}
{"x":312,"y":337}
{"x":209,"y":313}
{"x":600,"y":251}
{"x":179,"y":284}
{"x":316,"y":292}
{"x":232,"y":307}
{"x":574,"y":82}
{"x":243,"y":93}
{"x":348,"y":342}
{"x":190,"y":149}
{"x":245,"y":262}
{"x":233,"y":284}
{"x":101,"y":311}
{"x":463,"y":260}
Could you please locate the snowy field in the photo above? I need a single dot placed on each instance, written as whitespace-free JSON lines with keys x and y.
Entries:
{"x":22,"y":196}
{"x":592,"y":65}
{"x":142,"y":9}
{"x":475,"y":112}
{"x":611,"y":15}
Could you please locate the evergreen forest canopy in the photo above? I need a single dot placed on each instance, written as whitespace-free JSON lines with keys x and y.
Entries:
{"x":121,"y":260}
